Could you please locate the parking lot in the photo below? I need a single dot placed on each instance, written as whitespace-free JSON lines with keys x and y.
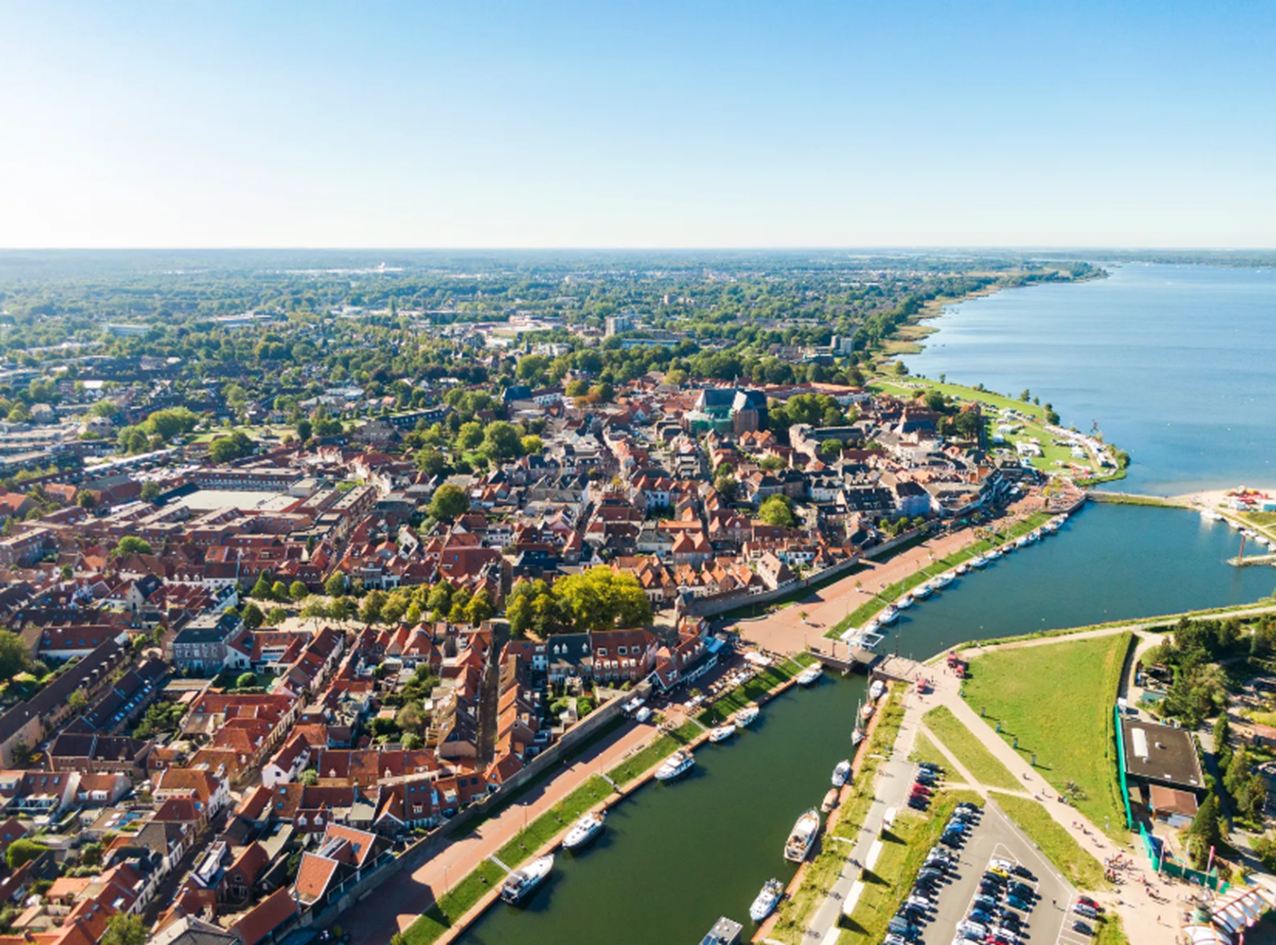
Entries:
{"x":996,"y":837}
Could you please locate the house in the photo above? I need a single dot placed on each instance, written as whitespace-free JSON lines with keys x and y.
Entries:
{"x":203,"y":644}
{"x":268,"y":920}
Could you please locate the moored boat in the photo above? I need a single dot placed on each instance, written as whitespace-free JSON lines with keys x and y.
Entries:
{"x":867,"y":711}
{"x":802,"y":837}
{"x":875,"y":691}
{"x":766,"y":900}
{"x":810,"y":675}
{"x":520,"y":883}
{"x":979,"y":561}
{"x":584,"y":830}
{"x":676,"y":765}
{"x":830,"y":801}
{"x":722,"y":733}
{"x":904,"y":602}
{"x":747,"y":716}
{"x":857,"y":736}
{"x":872,"y":626}
{"x":963,"y":568}
{"x":947,"y":577}
{"x":888,"y":616}
{"x":841,"y":773}
{"x":922,"y":591}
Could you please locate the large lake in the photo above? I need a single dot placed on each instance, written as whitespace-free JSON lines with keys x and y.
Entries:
{"x":1176,"y":363}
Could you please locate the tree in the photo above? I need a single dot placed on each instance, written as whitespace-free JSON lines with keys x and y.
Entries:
{"x":22,"y":851}
{"x":13,"y":655}
{"x":252,"y":616}
{"x":131,"y":545}
{"x":343,"y":608}
{"x":263,"y":589}
{"x":335,"y":586}
{"x":150,"y":491}
{"x":501,"y":441}
{"x":1222,"y":732}
{"x":449,"y":502}
{"x":78,"y":700}
{"x":298,"y":591}
{"x":831,"y":448}
{"x":246,"y":681}
{"x":304,"y":429}
{"x":480,"y":608}
{"x":531,"y":368}
{"x":968,"y":423}
{"x":777,"y":510}
{"x":601,"y":599}
{"x":279,"y":591}
{"x":370,"y":610}
{"x":309,"y":777}
{"x":85,"y":500}
{"x":530,"y":445}
{"x":124,"y":929}
{"x":1205,"y":831}
{"x":727,"y":487}
{"x":394,"y":609}
{"x":430,"y":461}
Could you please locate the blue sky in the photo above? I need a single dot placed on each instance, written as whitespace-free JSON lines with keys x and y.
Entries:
{"x":613,"y":124}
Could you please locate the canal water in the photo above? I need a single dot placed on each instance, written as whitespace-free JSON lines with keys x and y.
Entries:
{"x":675,"y":857}
{"x":1176,"y":364}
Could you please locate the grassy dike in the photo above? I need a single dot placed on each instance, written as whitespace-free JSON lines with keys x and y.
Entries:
{"x":1075,"y":862}
{"x":904,"y":850}
{"x":969,"y":750}
{"x":865,"y":612}
{"x":822,"y":872}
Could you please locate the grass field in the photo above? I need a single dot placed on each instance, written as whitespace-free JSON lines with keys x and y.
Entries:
{"x":909,"y":387}
{"x":540,"y":830}
{"x":454,"y":904}
{"x":903,"y":853}
{"x":664,"y":746}
{"x":740,"y":696}
{"x":1109,"y":930}
{"x":924,"y":750}
{"x":1077,"y":864}
{"x":961,"y":741}
{"x":822,"y":872}
{"x":861,"y":615}
{"x":1058,"y":699}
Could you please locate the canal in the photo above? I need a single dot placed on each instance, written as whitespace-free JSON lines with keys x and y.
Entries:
{"x":675,"y":857}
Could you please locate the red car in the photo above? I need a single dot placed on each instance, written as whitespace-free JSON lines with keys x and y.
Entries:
{"x":921,"y":789}
{"x":1087,"y":901}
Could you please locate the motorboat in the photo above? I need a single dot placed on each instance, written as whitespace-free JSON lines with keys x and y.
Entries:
{"x":867,"y":711}
{"x":722,"y":733}
{"x":1210,"y":515}
{"x":766,"y":900}
{"x":810,"y":675}
{"x":676,"y":765}
{"x":830,"y":801}
{"x":747,"y":716}
{"x":724,"y":932}
{"x":922,"y":591}
{"x":963,"y":568}
{"x":1022,"y":542}
{"x":802,"y":837}
{"x":584,"y":830}
{"x":520,"y":883}
{"x":857,"y":736}
{"x":875,"y":691}
{"x":946,"y":578}
{"x":841,"y":773}
{"x":979,"y":561}
{"x":888,"y":616}
{"x":904,"y":602}
{"x":872,"y":626}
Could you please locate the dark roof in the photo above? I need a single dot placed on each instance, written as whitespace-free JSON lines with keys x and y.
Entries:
{"x":1161,"y":753}
{"x":56,"y":693}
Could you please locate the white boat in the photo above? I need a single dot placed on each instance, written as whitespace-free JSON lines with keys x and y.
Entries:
{"x":747,"y":716}
{"x":809,"y":675}
{"x":841,"y":772}
{"x":1210,"y":515}
{"x":722,"y":733}
{"x":584,"y":830}
{"x":872,"y":626}
{"x":766,"y":900}
{"x":676,"y":765}
{"x":857,"y":736}
{"x":979,"y":561}
{"x":875,"y":691}
{"x":522,"y":881}
{"x":947,"y":578}
{"x":830,"y":801}
{"x":922,"y":591}
{"x":1022,"y":542}
{"x":963,"y":568}
{"x":867,"y":711}
{"x":904,"y":602}
{"x":802,"y":838}
{"x":888,"y":616}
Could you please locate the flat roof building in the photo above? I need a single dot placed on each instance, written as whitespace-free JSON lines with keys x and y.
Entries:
{"x":1161,"y":754}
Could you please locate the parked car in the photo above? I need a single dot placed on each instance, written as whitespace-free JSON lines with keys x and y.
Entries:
{"x":1087,"y":901}
{"x":1023,"y":871}
{"x":1017,"y":903}
{"x":1082,"y":928}
{"x":930,"y":766}
{"x":998,"y":872}
{"x":917,"y":802}
{"x":1082,"y":909}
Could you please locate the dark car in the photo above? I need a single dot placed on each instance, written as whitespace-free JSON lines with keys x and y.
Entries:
{"x":1016,"y":903}
{"x":1082,"y":928}
{"x":1010,"y":919}
{"x":990,"y":889}
{"x":951,"y":839}
{"x":1023,"y":891}
{"x":1023,"y":871}
{"x":978,"y":915}
{"x":929,"y":766}
{"x":918,"y":803}
{"x":966,"y":805}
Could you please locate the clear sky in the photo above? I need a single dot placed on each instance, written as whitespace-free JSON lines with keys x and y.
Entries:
{"x":645,"y":124}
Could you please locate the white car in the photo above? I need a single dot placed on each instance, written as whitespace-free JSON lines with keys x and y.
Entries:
{"x":1003,"y":864}
{"x":642,"y":714}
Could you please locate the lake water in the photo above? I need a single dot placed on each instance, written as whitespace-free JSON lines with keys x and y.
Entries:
{"x":1177,"y":366}
{"x":1176,"y":363}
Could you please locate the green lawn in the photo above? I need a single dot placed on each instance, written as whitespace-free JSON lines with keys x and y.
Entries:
{"x":1058,"y":699}
{"x":904,"y":851}
{"x":454,"y":904}
{"x":957,"y":390}
{"x":664,"y":746}
{"x":967,"y":749}
{"x":1076,"y":863}
{"x":754,"y":689}
{"x":539,"y":831}
{"x":925,"y":750}
{"x":861,"y":615}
